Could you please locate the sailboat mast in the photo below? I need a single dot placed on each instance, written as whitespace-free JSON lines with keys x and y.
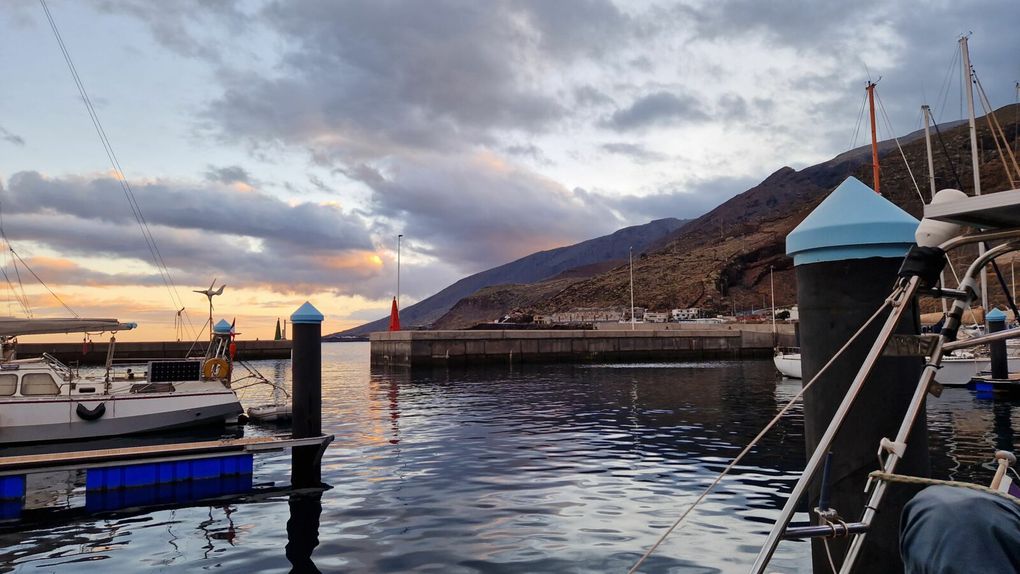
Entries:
{"x":965,"y":55}
{"x":931,"y":181}
{"x":927,"y":142}
{"x":874,"y":136}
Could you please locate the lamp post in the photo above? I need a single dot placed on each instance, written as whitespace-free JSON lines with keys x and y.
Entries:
{"x":632,"y":320}
{"x":772,"y":288}
{"x":398,"y":268}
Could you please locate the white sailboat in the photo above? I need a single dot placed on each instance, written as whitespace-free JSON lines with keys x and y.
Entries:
{"x":43,"y":400}
{"x":787,"y":361}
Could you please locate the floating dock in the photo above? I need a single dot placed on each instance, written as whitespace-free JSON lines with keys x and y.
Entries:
{"x":95,"y":353}
{"x":418,"y":348}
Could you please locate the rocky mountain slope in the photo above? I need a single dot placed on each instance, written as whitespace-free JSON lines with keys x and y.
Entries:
{"x":580,"y":260}
{"x":722,"y":259}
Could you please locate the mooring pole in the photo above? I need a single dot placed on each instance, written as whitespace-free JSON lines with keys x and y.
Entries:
{"x":306,"y":393}
{"x":847,"y":253}
{"x":996,"y":320}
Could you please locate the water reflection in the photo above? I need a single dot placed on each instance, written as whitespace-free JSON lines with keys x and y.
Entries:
{"x":303,"y":530}
{"x":538,"y":468}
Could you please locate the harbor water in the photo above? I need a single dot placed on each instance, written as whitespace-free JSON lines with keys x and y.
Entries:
{"x":514,"y":468}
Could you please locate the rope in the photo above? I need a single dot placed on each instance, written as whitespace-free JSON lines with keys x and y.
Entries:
{"x":904,"y":479}
{"x":143,"y":225}
{"x":736,"y":460}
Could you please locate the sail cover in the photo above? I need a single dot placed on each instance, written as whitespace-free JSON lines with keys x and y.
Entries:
{"x":14,"y":326}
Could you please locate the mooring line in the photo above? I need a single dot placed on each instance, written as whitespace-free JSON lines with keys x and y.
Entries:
{"x":763,"y":432}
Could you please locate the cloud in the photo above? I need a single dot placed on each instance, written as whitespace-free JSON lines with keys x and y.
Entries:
{"x":185,"y":205}
{"x":11,"y":138}
{"x":637,"y":152}
{"x":203,"y":230}
{"x":657,"y":109}
{"x":481,"y":210}
{"x":182,"y":25}
{"x":437,"y":74}
{"x":683,"y":201}
{"x":229,"y":174}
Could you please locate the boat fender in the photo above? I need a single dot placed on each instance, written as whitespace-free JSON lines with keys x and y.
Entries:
{"x":88,"y":414}
{"x":216,"y":368}
{"x":233,"y":350}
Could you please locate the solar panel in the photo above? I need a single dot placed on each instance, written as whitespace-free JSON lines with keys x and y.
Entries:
{"x":170,"y":371}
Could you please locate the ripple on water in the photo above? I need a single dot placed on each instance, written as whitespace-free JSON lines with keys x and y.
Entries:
{"x":536,"y":469}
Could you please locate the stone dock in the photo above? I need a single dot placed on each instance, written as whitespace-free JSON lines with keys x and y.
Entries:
{"x":95,"y":353}
{"x":415,"y":348}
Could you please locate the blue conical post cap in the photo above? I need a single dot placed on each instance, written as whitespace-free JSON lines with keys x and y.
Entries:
{"x":854,"y":222}
{"x":306,"y":313}
{"x":221,"y":327}
{"x":995,"y":315}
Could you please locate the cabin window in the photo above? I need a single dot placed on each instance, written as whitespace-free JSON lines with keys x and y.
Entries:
{"x":8,"y":382}
{"x":38,"y":384}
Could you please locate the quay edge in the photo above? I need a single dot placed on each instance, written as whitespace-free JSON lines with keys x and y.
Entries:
{"x":438,"y":348}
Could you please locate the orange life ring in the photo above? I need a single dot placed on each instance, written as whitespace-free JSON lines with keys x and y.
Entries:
{"x":216,"y":368}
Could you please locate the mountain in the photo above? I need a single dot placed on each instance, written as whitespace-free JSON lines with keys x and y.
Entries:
{"x":580,"y":259}
{"x":722,"y":260}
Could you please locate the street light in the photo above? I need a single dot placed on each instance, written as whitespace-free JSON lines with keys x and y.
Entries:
{"x":632,"y":320}
{"x":772,"y":288}
{"x":398,"y":268}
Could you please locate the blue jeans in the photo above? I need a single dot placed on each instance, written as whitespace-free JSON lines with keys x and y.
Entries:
{"x":948,"y":530}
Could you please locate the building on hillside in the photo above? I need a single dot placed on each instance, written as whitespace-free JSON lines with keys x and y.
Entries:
{"x":687,"y":314}
{"x":656,"y":317}
{"x":579,"y":316}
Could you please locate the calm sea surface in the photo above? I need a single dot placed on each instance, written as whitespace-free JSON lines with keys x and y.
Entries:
{"x":551,"y":468}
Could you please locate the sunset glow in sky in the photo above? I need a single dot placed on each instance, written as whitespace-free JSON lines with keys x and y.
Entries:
{"x":280,"y":146}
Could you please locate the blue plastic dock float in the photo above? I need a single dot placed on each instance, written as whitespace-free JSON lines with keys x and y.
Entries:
{"x":12,"y":487}
{"x":152,"y":474}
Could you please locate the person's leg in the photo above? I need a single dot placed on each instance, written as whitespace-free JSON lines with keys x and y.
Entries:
{"x":949,"y":530}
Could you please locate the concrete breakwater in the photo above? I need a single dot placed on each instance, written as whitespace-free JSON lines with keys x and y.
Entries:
{"x":414,"y":348}
{"x":95,"y":353}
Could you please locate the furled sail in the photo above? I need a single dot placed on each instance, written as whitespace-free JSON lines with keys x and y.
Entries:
{"x":14,"y":326}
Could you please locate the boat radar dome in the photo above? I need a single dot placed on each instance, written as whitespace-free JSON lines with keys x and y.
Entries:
{"x":932,"y":233}
{"x":854,"y":222}
{"x":222,"y":327}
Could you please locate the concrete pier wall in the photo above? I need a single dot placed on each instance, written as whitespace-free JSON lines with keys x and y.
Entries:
{"x":413,"y":348}
{"x":95,"y":353}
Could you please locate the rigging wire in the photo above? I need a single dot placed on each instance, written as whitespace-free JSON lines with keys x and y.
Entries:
{"x":857,"y":126}
{"x":119,"y":173}
{"x":910,"y":172}
{"x":997,"y":133}
{"x":41,"y":282}
{"x":772,"y":423}
{"x":949,"y":158}
{"x":947,"y":82}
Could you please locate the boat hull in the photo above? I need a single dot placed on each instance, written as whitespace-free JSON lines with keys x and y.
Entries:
{"x":788,"y":365}
{"x":959,"y":372}
{"x":121,"y":415}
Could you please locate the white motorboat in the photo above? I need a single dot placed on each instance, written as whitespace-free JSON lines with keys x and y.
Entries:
{"x":787,"y":362}
{"x":958,"y":371}
{"x":954,"y":371}
{"x":43,"y":400}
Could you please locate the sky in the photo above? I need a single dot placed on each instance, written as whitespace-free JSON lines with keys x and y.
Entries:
{"x":279,"y":147}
